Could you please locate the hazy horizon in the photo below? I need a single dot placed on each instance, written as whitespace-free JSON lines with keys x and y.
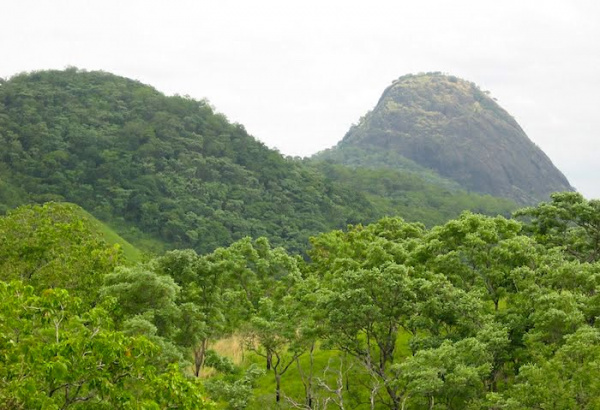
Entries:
{"x":297,"y":76}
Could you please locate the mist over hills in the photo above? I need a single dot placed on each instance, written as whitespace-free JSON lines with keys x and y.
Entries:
{"x":449,"y":130}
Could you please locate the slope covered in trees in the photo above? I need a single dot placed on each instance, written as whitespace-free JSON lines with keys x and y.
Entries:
{"x":448,"y":130}
{"x":170,"y":172}
{"x":59,"y":347}
{"x":477,"y":313}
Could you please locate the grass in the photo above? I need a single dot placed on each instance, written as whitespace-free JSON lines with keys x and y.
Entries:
{"x":130,"y":252}
{"x":328,"y":365}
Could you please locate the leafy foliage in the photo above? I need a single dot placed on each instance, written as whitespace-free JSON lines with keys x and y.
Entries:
{"x":57,"y":355}
{"x":51,"y":246}
{"x":478,"y":312}
{"x":165,"y":166}
{"x":169,"y":172}
{"x":569,"y":221}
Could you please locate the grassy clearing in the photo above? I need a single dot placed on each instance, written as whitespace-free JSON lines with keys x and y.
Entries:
{"x":130,"y":252}
{"x":329,"y":366}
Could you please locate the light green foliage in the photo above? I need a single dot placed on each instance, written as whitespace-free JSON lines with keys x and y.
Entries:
{"x":450,"y":375}
{"x":139,"y":289}
{"x":262,"y":282}
{"x":147,"y":305}
{"x":475,"y":251}
{"x":435,"y":287}
{"x":51,"y":246}
{"x":471,"y":314}
{"x":568,"y":221}
{"x":568,"y":380}
{"x":253,"y":269}
{"x":369,"y":296}
{"x":237,"y":392}
{"x":56,"y":355}
{"x":274,"y":334}
{"x":173,"y":390}
{"x":554,"y":315}
{"x":201,"y":301}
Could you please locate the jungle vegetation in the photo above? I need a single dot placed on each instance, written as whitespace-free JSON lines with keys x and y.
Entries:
{"x":479,"y":312}
{"x":170,"y":172}
{"x":155,"y":256}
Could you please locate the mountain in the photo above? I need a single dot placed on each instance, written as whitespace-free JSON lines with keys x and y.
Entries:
{"x":452,"y":133}
{"x":170,"y":172}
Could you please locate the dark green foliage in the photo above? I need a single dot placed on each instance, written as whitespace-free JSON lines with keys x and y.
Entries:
{"x":444,"y":128}
{"x":166,"y":166}
{"x":415,"y":197}
{"x":173,"y":170}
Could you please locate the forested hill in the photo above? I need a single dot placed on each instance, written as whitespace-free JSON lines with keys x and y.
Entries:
{"x":449,"y":130}
{"x":171,"y":169}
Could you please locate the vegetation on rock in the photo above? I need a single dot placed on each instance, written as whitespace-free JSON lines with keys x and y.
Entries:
{"x":442,"y":125}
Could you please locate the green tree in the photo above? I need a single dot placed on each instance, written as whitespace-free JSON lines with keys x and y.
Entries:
{"x":568,"y":221}
{"x":476,"y":251}
{"x":52,"y":246}
{"x":147,"y":306}
{"x":55,"y":354}
{"x":568,"y":380}
{"x":200,"y":301}
{"x":367,"y":297}
{"x":452,"y":374}
{"x":274,"y":333}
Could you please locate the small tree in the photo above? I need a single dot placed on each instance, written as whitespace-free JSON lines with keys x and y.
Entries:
{"x":274,"y":333}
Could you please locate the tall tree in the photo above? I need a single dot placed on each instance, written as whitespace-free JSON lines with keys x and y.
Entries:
{"x":201,"y":300}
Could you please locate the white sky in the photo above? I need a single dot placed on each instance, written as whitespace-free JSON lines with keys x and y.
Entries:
{"x":297,"y":74}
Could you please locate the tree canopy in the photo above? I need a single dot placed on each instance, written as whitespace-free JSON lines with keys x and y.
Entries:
{"x":170,"y":172}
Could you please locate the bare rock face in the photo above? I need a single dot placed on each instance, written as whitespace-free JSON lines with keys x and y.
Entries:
{"x":447,"y":125}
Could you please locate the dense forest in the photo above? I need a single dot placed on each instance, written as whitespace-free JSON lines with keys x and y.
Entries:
{"x":169,"y":172}
{"x":155,"y":256}
{"x":480,"y":312}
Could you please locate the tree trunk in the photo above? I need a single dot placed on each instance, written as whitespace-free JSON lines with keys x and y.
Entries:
{"x":309,"y":383}
{"x":278,"y":387}
{"x":396,"y":402}
{"x":199,"y":356}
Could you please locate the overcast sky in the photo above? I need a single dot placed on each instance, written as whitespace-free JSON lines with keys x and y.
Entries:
{"x":297,"y":74}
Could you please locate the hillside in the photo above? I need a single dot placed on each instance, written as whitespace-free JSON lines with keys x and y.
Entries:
{"x":169,"y":172}
{"x":98,"y":228}
{"x":59,"y":245}
{"x":449,"y":131}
